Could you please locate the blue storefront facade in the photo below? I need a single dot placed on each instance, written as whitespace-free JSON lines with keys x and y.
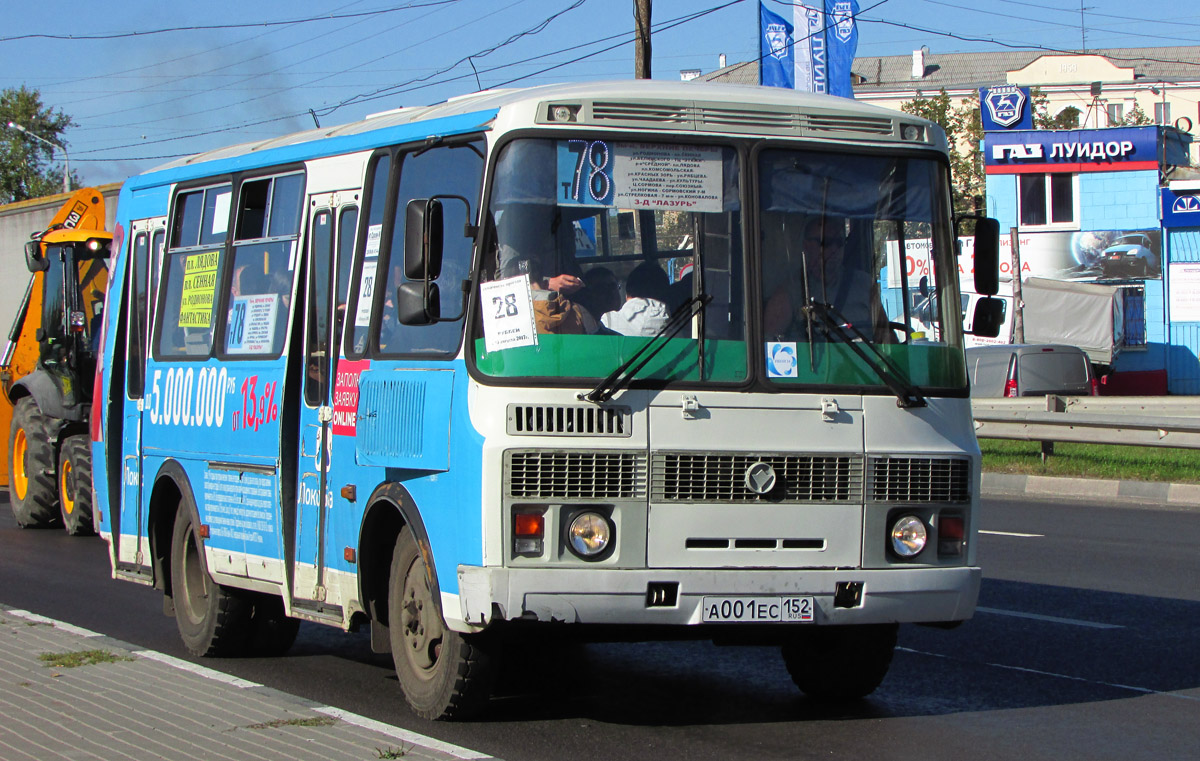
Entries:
{"x":1088,"y":207}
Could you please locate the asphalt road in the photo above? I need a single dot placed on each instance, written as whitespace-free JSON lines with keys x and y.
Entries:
{"x":1085,"y":647}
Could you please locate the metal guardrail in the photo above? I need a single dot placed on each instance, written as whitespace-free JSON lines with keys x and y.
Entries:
{"x":1155,"y":421}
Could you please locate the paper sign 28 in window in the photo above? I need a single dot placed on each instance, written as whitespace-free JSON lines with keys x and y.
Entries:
{"x":639,"y":175}
{"x":507,"y":307}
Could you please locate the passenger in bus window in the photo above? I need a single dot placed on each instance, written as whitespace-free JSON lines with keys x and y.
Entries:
{"x":602,"y":293}
{"x":528,"y":244}
{"x":645,"y":311}
{"x":832,"y":276}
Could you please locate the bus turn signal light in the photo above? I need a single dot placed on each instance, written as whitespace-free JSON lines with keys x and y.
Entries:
{"x":529,"y":531}
{"x":951,"y":535}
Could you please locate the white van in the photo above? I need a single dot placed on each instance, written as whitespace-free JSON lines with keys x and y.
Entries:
{"x":1006,"y":325}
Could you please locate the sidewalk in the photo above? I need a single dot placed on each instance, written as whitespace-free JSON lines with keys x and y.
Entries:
{"x":1140,"y":492}
{"x":140,"y":704}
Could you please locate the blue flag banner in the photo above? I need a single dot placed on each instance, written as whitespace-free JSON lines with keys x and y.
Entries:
{"x":776,"y":64}
{"x":841,"y":37}
{"x":812,"y":58}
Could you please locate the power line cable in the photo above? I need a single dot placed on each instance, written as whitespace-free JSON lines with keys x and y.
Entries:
{"x":1056,"y":23}
{"x":363,"y":97}
{"x":1024,"y":46}
{"x":259,"y":75}
{"x":663,"y":26}
{"x":211,"y":27}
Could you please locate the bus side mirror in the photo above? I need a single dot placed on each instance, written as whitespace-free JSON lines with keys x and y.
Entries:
{"x":418,"y":303}
{"x":988,"y":317}
{"x":423,"y":233}
{"x":34,"y":261}
{"x":987,"y":256}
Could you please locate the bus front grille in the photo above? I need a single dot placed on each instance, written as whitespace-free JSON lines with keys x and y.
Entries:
{"x":721,"y":477}
{"x":920,"y":479}
{"x":568,"y":420}
{"x":558,"y":474}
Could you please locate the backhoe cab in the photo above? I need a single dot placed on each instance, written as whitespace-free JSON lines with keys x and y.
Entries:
{"x":47,"y":369}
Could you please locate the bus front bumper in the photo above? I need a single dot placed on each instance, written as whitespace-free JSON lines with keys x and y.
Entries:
{"x":610,"y":596}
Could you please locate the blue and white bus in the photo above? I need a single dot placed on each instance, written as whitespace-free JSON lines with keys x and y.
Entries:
{"x":605,"y":359}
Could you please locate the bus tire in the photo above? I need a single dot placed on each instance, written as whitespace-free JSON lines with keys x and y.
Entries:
{"x":75,"y":485}
{"x":33,"y":491}
{"x":272,"y":631}
{"x":840,"y":663}
{"x":444,"y":674}
{"x":213,"y":620}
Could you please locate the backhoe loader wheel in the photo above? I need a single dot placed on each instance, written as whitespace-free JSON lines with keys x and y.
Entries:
{"x":75,"y":485}
{"x":31,"y":468}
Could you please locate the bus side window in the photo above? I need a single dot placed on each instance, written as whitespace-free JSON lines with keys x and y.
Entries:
{"x":136,"y":373}
{"x":264,"y":259}
{"x":193,"y":266}
{"x":450,"y":170}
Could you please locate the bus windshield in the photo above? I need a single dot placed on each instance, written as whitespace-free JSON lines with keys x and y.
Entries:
{"x":849,"y":244}
{"x":592,"y":245}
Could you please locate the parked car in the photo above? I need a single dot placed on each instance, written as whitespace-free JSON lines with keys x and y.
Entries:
{"x":1130,"y":256}
{"x":1030,"y":370}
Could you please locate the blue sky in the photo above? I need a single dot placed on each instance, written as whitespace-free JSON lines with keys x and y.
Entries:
{"x":138,"y":96}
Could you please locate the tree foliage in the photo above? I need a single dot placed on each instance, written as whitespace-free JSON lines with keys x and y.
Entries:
{"x":1068,"y":118}
{"x":28,"y":168}
{"x":1135,"y":118}
{"x":964,"y":133}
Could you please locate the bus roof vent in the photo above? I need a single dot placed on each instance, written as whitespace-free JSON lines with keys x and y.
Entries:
{"x":723,"y":119}
{"x":872,"y":125}
{"x":568,"y":420}
{"x":645,"y":114}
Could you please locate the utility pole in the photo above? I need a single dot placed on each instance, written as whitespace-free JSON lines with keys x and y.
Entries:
{"x":641,"y":50}
{"x":1018,"y":304}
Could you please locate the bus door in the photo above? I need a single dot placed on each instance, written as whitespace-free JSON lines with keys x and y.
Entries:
{"x":146,"y":244}
{"x":333,"y":220}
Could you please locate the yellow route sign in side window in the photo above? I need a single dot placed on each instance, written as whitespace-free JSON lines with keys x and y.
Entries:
{"x":199,"y":289}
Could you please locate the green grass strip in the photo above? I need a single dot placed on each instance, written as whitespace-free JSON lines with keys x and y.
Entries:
{"x":80,"y":658}
{"x":1092,"y":461}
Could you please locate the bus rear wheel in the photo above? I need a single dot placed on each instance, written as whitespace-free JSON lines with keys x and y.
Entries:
{"x":33,"y":492}
{"x":840,"y":663}
{"x":75,"y":485}
{"x":213,"y":620}
{"x":444,"y":674}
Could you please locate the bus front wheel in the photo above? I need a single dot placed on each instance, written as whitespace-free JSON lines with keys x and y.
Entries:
{"x":839,"y":663}
{"x":212,"y":619}
{"x":444,"y":674}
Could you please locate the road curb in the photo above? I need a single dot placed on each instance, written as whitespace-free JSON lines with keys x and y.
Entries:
{"x":1143,"y":492}
{"x":136,"y":703}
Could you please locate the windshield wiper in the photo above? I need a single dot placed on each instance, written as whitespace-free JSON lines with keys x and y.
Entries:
{"x":834,"y":324}
{"x":627,"y":370}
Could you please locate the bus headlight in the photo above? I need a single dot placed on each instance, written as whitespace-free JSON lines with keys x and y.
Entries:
{"x":909,"y":536}
{"x":589,"y":535}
